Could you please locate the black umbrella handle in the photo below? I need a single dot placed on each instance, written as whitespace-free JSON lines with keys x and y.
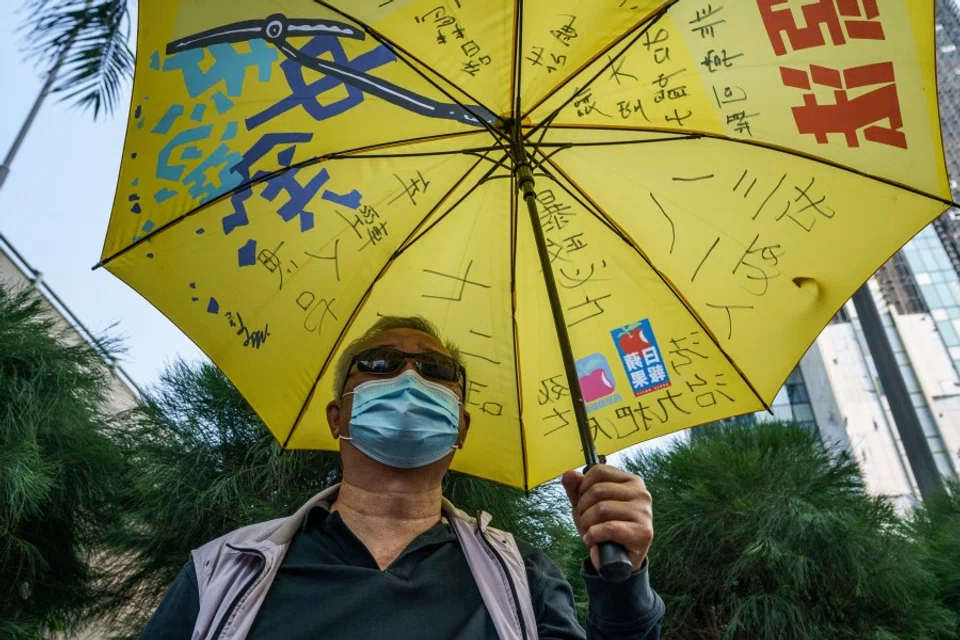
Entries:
{"x":615,"y":565}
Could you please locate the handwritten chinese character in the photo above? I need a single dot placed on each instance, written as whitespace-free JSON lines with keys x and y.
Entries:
{"x":566,"y":32}
{"x":706,"y":22}
{"x":715,"y":60}
{"x":411,"y":187}
{"x":551,"y":390}
{"x":661,"y":54}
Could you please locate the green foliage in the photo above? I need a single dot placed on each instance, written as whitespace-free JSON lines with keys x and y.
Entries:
{"x":204,"y":464}
{"x":92,"y":36}
{"x":58,"y":471}
{"x":761,"y":533}
{"x":936,"y":525}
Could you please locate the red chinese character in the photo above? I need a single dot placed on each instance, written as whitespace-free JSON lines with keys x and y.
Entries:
{"x":849,"y":116}
{"x":857,"y":17}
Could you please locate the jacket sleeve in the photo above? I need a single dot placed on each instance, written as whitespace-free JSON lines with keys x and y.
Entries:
{"x":626,"y":611}
{"x":177,"y":614}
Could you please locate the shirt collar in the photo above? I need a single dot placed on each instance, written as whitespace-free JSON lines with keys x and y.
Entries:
{"x":316,"y":516}
{"x":321,"y":511}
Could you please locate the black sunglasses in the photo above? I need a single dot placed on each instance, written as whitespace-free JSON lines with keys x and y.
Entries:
{"x":383,"y":361}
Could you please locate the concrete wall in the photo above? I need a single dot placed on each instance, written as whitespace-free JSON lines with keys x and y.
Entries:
{"x":844,"y":391}
{"x":830,"y":421}
{"x":937,"y":376}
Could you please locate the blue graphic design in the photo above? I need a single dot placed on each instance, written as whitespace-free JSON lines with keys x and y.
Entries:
{"x":262,"y":147}
{"x":163,"y":195}
{"x":173,"y":112}
{"x":299,"y":195}
{"x":229,"y":67}
{"x":597,"y":382}
{"x":212,"y":68}
{"x":230,"y":132}
{"x":213,"y":306}
{"x":172,"y":172}
{"x":641,"y":357}
{"x":197,"y":180}
{"x":350,"y":200}
{"x":307,"y":95}
{"x":247,"y":254}
{"x":201,"y":187}
{"x":221,"y":102}
{"x":191,"y":153}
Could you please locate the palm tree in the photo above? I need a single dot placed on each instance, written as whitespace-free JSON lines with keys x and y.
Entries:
{"x":82,"y":47}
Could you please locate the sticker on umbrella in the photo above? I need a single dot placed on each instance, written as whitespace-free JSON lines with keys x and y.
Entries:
{"x":596,"y":382}
{"x":641,"y":357}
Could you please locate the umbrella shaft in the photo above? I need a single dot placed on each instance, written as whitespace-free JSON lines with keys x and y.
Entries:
{"x":526,"y":184}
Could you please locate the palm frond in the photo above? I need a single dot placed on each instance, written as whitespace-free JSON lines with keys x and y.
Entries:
{"x":88,"y":41}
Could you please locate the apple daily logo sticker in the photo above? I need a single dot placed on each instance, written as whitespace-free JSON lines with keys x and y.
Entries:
{"x":641,"y":357}
{"x":596,"y":382}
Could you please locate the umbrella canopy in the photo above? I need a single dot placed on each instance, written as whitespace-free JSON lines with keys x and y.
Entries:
{"x":711,"y":182}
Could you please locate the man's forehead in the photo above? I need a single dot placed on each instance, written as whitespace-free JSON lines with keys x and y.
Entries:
{"x":409,"y":340}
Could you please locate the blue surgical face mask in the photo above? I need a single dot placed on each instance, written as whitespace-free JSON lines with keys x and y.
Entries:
{"x":404,"y":422}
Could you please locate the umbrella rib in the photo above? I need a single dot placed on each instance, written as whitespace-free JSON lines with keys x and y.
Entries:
{"x":406,"y":57}
{"x":474,"y":151}
{"x":516,"y":78}
{"x":697,"y":135}
{"x":514,"y":230}
{"x":366,"y":295}
{"x":637,"y":31}
{"x":269,"y":176}
{"x":597,"y":211}
{"x":562,"y":146}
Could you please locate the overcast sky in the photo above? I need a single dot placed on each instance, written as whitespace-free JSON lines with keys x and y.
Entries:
{"x":56,"y":202}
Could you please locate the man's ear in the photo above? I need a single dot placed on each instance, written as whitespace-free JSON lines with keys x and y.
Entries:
{"x":464,"y":428}
{"x":333,"y":417}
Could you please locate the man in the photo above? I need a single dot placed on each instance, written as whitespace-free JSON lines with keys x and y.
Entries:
{"x":384,"y":555}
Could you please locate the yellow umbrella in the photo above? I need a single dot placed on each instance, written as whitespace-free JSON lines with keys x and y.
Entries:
{"x":708,"y":182}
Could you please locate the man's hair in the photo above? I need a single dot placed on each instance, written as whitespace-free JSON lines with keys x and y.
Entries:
{"x":387,"y":323}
